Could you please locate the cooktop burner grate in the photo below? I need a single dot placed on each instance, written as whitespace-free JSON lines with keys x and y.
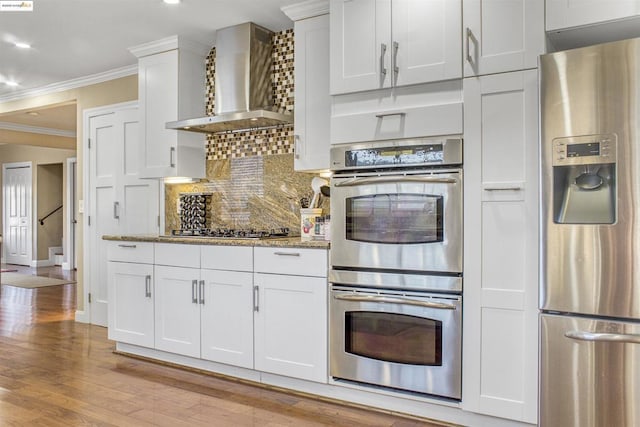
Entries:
{"x":229,"y":233}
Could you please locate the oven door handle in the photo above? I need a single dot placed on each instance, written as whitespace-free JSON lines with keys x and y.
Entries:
{"x":603,"y":337}
{"x":394,"y":179}
{"x":396,"y":300}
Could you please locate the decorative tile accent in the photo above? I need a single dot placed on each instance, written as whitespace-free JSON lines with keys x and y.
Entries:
{"x":262,"y":141}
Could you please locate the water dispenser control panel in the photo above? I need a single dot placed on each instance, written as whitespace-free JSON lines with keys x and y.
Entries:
{"x":584,"y":150}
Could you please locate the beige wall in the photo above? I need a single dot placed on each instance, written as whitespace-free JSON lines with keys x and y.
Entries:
{"x":111,"y":92}
{"x":49,"y":196}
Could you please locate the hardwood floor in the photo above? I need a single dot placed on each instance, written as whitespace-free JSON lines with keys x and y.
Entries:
{"x":56,"y":372}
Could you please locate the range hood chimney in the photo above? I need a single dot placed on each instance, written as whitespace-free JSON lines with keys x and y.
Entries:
{"x":243,"y":95}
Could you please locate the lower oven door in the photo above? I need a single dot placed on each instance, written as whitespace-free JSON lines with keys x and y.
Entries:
{"x":409,"y":341}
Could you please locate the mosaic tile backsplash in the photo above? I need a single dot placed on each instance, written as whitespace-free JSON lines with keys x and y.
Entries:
{"x":250,"y":174}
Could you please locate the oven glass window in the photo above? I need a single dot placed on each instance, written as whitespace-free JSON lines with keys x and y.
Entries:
{"x":393,"y":337}
{"x":394,"y":218}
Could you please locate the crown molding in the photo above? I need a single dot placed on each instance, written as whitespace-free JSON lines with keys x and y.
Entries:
{"x":35,"y":129}
{"x":73,"y":83}
{"x":306,"y":9}
{"x":169,"y":43}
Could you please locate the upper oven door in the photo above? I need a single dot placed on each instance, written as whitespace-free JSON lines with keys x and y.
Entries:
{"x":409,"y":221}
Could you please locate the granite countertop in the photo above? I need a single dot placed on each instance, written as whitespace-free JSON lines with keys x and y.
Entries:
{"x":280,"y":242}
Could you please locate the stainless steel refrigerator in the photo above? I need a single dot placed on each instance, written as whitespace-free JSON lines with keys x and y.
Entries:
{"x":590,"y":236}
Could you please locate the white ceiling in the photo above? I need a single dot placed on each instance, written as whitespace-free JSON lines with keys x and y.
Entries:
{"x":71,"y":39}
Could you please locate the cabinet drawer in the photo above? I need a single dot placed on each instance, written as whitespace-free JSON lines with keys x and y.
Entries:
{"x":177,"y":255}
{"x":234,"y":258}
{"x":301,"y":262}
{"x":138,"y":252}
{"x":406,"y":112}
{"x":401,"y":123}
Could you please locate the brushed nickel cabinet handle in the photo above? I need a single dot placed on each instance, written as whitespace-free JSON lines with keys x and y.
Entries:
{"x":116,"y":210}
{"x":296,"y":146}
{"x":172,"y":157}
{"x":194,"y":291}
{"x":256,"y":298}
{"x":468,"y":43}
{"x":515,"y":188}
{"x":380,"y":116}
{"x":287,"y":253}
{"x":127,"y":246}
{"x":383,"y":70}
{"x":147,"y":286}
{"x":396,"y":46}
{"x":202,"y":292}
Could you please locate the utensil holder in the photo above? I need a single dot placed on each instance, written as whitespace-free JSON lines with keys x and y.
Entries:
{"x":308,"y":222}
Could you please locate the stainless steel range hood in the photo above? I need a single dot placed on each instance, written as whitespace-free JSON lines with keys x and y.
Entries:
{"x":243,"y":94}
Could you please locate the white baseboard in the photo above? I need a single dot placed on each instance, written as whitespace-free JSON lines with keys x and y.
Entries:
{"x":82,"y":316}
{"x":66,"y":266}
{"x":41,"y":263}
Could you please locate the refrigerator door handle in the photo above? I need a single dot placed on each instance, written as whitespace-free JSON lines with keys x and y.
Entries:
{"x":603,"y":337}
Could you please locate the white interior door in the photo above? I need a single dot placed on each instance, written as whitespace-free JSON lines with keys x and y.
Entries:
{"x":119,"y":202}
{"x":104,"y":156}
{"x":17,"y":202}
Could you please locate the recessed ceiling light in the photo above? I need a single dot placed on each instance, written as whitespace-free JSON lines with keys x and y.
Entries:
{"x":171,"y":1}
{"x":11,"y":83}
{"x":33,"y":113}
{"x":23,"y":45}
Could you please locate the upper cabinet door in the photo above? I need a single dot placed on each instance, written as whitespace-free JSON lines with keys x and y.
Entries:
{"x":502,"y":35}
{"x":571,"y":13}
{"x":426,"y":42}
{"x":171,"y":78}
{"x":360,"y":50}
{"x":312,"y":100}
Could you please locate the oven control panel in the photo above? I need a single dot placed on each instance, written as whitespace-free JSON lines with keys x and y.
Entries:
{"x":397,"y":153}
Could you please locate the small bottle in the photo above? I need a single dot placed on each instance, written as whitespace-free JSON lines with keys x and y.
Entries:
{"x":327,"y":227}
{"x":317,"y":230}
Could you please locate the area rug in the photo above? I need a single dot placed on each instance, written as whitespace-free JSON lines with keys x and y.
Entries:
{"x":28,"y":281}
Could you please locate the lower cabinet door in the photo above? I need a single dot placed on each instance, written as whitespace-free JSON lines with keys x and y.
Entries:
{"x":290,"y":317}
{"x":131,"y":295}
{"x":177,"y":310}
{"x":227,"y":317}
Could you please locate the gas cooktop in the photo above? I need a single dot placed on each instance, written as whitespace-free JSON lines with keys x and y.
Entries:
{"x":229,"y":233}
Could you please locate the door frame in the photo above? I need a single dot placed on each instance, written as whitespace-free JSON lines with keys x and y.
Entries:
{"x":31,"y":236}
{"x":70,"y":262}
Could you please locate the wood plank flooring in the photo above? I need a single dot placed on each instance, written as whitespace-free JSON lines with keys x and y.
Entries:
{"x":56,"y":372}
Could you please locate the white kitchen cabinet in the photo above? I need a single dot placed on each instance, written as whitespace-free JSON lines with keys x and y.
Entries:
{"x":227,"y":310}
{"x":171,"y":87}
{"x":177,"y":310}
{"x":571,"y":13}
{"x":290,"y":312}
{"x":227,"y":317}
{"x":501,"y":245}
{"x":312,"y":100}
{"x":130,"y":293}
{"x":502,"y":35}
{"x":205,"y":313}
{"x":386,"y":43}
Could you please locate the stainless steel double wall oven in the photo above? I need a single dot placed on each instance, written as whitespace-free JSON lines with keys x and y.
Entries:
{"x":396,"y":265}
